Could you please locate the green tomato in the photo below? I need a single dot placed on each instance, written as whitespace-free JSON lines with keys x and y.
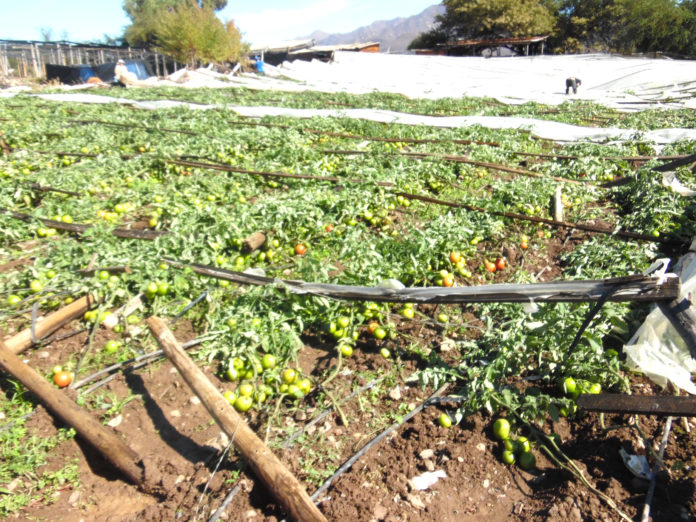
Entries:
{"x":229,"y":396}
{"x":501,"y":429}
{"x":268,"y":361}
{"x":345,"y":349}
{"x":527,"y":460}
{"x":112,"y":346}
{"x":246,"y":389}
{"x":151,"y":288}
{"x":442,"y":318}
{"x":243,"y":403}
{"x":289,"y":376}
{"x":445,"y":420}
{"x":343,"y":322}
{"x":379,"y":333}
{"x":232,"y":374}
{"x":595,"y":388}
{"x":305,"y":385}
{"x":523,"y":445}
{"x":13,"y":300}
{"x":384,"y":352}
{"x":508,"y":457}
{"x":295,"y":392}
{"x":568,"y":386}
{"x":36,"y":286}
{"x":407,"y":313}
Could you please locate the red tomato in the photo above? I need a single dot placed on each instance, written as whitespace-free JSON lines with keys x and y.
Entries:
{"x":455,"y":257}
{"x":62,"y":378}
{"x":448,"y":280}
{"x":489,"y":266}
{"x":329,"y":228}
{"x":500,"y":263}
{"x":524,"y":245}
{"x":300,"y":249}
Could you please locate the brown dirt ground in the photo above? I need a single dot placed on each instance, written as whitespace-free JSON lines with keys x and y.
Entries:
{"x":168,"y":427}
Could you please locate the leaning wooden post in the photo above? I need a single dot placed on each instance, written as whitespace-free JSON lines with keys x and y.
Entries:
{"x":282,"y":484}
{"x":50,"y":324}
{"x":90,"y":429}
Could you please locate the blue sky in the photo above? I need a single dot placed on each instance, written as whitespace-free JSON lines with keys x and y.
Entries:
{"x":261,"y":21}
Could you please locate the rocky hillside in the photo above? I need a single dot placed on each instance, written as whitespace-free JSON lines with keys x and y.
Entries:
{"x":393,"y":35}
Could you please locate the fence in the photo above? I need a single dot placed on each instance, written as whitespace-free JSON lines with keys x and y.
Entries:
{"x":28,"y":59}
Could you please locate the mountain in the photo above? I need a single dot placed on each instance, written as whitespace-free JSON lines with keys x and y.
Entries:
{"x":393,"y":35}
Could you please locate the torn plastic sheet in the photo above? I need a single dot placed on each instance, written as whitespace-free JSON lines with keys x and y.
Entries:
{"x":551,"y":130}
{"x":658,"y":351}
{"x":671,"y":181}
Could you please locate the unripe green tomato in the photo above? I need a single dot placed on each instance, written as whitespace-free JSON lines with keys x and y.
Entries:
{"x":343,"y":322}
{"x":243,"y":403}
{"x":246,"y":389}
{"x":384,"y":352}
{"x":268,"y":361}
{"x":380,"y":333}
{"x":289,"y":376}
{"x":229,"y":396}
{"x":232,"y":374}
{"x":568,"y":386}
{"x":305,"y":385}
{"x":112,"y":346}
{"x":501,"y":429}
{"x":527,"y":460}
{"x":295,"y":392}
{"x":445,"y":420}
{"x":523,"y":445}
{"x":509,"y":457}
{"x":345,"y":349}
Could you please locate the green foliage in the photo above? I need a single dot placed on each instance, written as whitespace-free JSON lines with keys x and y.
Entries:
{"x":188,"y":30}
{"x":496,"y":18}
{"x":627,"y":26}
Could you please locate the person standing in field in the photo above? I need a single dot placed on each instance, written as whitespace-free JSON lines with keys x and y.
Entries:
{"x":573,"y":83}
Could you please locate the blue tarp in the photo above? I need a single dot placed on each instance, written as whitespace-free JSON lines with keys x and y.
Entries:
{"x":72,"y":74}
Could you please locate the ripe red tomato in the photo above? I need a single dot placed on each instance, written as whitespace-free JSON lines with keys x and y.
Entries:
{"x":300,"y":249}
{"x":62,"y":378}
{"x":490,"y":267}
{"x":329,"y":228}
{"x":500,"y":263}
{"x":455,"y":257}
{"x":448,"y":280}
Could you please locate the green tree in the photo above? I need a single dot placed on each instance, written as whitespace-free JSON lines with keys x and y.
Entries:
{"x":489,"y":19}
{"x":188,"y":30}
{"x":496,"y":18}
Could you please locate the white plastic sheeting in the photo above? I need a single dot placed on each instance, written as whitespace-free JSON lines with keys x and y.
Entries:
{"x":542,"y":128}
{"x":658,"y":350}
{"x":623,"y":83}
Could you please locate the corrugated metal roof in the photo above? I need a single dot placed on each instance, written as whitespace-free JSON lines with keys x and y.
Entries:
{"x":284,"y":46}
{"x":521,"y":40}
{"x":337,"y":47}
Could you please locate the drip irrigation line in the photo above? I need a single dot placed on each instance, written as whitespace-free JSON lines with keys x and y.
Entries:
{"x":79,"y":228}
{"x":43,"y":188}
{"x":12,"y":423}
{"x":349,"y":463}
{"x":138,"y":362}
{"x":562,"y":224}
{"x":225,"y":503}
{"x":588,"y":319}
{"x":327,"y":411}
{"x":188,"y":307}
{"x":464,"y":159}
{"x":653,"y":476}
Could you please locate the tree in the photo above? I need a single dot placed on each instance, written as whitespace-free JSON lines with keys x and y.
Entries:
{"x":188,"y":30}
{"x":496,"y":18}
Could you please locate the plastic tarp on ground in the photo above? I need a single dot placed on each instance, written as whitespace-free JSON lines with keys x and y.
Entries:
{"x":75,"y":74}
{"x":542,"y":128}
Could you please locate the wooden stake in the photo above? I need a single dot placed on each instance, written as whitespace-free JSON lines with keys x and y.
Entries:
{"x":50,"y":324}
{"x":254,"y":241}
{"x":107,"y":442}
{"x":282,"y":484}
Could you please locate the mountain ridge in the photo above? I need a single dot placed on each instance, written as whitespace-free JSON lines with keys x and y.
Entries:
{"x":393,"y":35}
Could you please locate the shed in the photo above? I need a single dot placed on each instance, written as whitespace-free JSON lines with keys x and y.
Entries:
{"x":81,"y":73}
{"x":512,"y":46}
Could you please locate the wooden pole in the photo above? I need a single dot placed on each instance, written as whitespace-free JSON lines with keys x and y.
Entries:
{"x":50,"y":324}
{"x":254,"y":241}
{"x":282,"y":484}
{"x":107,"y":442}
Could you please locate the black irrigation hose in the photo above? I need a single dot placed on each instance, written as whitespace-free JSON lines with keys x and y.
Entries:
{"x":327,"y":411}
{"x":349,"y":463}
